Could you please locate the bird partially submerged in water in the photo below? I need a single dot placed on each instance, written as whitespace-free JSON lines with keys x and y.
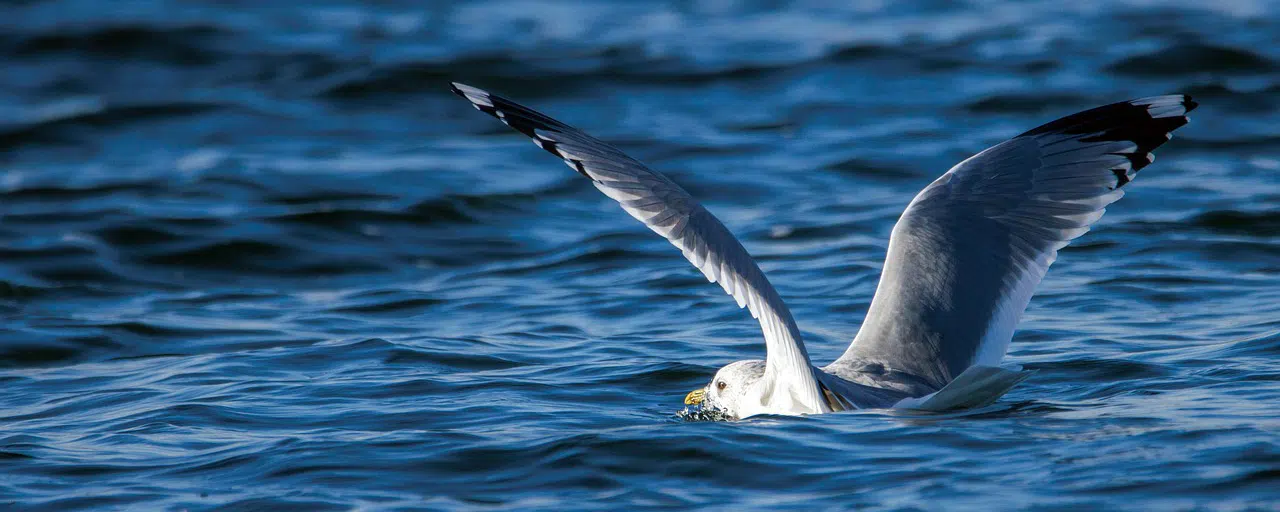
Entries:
{"x":963,"y":260}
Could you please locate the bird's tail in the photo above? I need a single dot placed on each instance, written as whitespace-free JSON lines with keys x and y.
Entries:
{"x":977,"y":386}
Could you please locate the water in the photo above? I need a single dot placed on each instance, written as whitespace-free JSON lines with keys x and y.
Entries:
{"x":261,"y":258}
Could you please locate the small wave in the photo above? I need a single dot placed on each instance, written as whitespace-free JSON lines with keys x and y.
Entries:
{"x":22,"y":355}
{"x":536,"y":77}
{"x":918,"y":55}
{"x":227,"y":254}
{"x":1265,"y":345}
{"x":325,"y":198}
{"x":56,"y":193}
{"x":1099,"y":370}
{"x":1225,"y":96}
{"x":354,"y":217}
{"x":6,"y":455}
{"x":1238,"y":222}
{"x":276,"y":258}
{"x":576,"y":255}
{"x":455,"y":361}
{"x":1025,"y":104}
{"x":16,"y":291}
{"x":1193,"y":59}
{"x":585,"y":451}
{"x":415,"y":77}
{"x":176,"y":45}
{"x":150,"y":329}
{"x":385,"y":302}
{"x":61,"y":129}
{"x":874,"y":169}
{"x":137,"y":235}
{"x":452,"y":209}
{"x":1238,"y":142}
{"x":42,"y":351}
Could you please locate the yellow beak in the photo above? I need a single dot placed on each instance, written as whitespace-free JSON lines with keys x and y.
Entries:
{"x":695,"y":397}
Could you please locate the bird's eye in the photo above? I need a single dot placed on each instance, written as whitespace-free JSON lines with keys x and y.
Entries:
{"x":720,"y":385}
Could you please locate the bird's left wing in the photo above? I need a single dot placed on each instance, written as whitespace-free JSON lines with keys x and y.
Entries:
{"x":671,"y":212}
{"x":970,"y":249}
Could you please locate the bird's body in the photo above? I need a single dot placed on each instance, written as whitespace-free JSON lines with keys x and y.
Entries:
{"x":963,"y":260}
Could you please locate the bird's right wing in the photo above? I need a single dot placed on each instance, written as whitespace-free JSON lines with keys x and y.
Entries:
{"x":970,"y":249}
{"x":671,"y":212}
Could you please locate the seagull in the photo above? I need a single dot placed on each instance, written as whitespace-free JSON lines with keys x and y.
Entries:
{"x":963,"y":260}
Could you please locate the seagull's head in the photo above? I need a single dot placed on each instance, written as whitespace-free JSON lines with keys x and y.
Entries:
{"x":734,"y":390}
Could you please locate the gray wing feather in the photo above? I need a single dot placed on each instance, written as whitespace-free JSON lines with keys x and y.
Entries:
{"x":968,"y":252}
{"x":669,"y":211}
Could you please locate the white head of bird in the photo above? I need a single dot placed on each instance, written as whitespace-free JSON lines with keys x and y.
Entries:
{"x":737,"y":390}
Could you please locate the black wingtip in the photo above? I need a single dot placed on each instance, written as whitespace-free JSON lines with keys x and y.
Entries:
{"x":1122,"y":178}
{"x":1189,"y":103}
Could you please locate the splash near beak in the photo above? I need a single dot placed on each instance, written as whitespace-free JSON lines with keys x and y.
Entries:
{"x":695,"y":397}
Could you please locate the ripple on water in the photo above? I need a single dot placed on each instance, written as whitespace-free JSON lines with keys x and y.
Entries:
{"x":265,"y":260}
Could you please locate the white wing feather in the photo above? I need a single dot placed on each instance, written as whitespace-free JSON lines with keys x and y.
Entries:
{"x":671,"y":212}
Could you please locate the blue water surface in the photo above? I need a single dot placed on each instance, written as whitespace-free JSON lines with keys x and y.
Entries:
{"x":255,"y":255}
